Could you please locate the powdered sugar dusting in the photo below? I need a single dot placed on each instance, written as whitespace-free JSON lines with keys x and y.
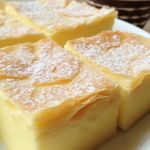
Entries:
{"x":14,"y":63}
{"x":58,"y":14}
{"x":120,"y":52}
{"x":86,"y":83}
{"x":9,"y":27}
{"x":55,"y":4}
{"x":42,"y":75}
{"x":54,"y":65}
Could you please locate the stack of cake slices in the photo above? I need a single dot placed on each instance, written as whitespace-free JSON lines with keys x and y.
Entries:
{"x":67,"y":82}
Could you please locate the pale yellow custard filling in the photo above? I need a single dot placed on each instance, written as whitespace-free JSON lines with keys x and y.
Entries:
{"x":86,"y":132}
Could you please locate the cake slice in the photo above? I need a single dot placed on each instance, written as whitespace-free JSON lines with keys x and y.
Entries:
{"x":63,"y":20}
{"x":13,"y":32}
{"x":50,"y":100}
{"x":125,"y":58}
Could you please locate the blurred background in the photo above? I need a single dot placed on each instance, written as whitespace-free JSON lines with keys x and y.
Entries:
{"x":136,"y":12}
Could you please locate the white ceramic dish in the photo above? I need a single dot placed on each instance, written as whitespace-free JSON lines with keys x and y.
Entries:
{"x":127,"y":27}
{"x":138,"y":137}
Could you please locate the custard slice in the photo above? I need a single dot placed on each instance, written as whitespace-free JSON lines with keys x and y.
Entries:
{"x":13,"y":32}
{"x":125,"y":58}
{"x":63,"y":20}
{"x":50,"y":100}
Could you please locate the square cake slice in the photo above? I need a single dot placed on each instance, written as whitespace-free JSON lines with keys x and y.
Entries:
{"x":13,"y":32}
{"x":63,"y":20}
{"x":125,"y":58}
{"x":50,"y":100}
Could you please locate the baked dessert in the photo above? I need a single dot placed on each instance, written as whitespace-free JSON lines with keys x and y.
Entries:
{"x":67,"y":19}
{"x":13,"y":31}
{"x":125,"y":58}
{"x":51,"y":100}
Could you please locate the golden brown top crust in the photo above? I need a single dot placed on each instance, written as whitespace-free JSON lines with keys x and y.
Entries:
{"x":122,"y":53}
{"x":43,"y":75}
{"x":9,"y":27}
{"x":58,"y":14}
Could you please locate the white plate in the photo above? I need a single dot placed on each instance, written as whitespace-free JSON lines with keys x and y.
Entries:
{"x":127,"y":27}
{"x":138,"y":137}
